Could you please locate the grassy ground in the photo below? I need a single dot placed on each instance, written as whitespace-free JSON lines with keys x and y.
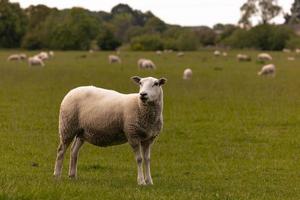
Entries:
{"x":228,"y":133}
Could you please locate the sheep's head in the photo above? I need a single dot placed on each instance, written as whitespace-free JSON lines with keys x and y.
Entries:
{"x":150,"y":88}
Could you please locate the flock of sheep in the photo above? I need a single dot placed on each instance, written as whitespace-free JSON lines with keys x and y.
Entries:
{"x":36,"y":60}
{"x":105,"y":117}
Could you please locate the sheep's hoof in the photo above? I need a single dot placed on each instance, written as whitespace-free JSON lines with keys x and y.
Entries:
{"x":141,"y":182}
{"x":72,"y":176}
{"x":149,"y":182}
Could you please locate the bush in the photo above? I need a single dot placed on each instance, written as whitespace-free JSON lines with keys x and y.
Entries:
{"x":293,"y":42}
{"x":107,"y":41}
{"x":263,"y":37}
{"x":146,"y":43}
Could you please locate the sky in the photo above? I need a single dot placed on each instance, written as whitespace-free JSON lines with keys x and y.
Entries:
{"x":185,"y":13}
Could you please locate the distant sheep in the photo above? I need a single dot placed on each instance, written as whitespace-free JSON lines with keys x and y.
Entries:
{"x":263,"y":57}
{"x":106,"y":118}
{"x":217,"y":53}
{"x":187,"y":74}
{"x":23,"y":56}
{"x":146,"y":64}
{"x":51,"y":53}
{"x":225,"y":54}
{"x":35,"y":61}
{"x":267,"y":70}
{"x":114,"y":59}
{"x":14,"y":57}
{"x":180,"y":54}
{"x":297,"y":50}
{"x":158,"y":52}
{"x":43,"y":56}
{"x":286,"y":50}
{"x":243,"y":57}
{"x":291,"y":58}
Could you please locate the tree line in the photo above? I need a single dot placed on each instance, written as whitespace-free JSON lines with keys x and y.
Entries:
{"x":41,"y":27}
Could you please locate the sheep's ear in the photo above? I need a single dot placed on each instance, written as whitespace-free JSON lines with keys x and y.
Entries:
{"x":162,"y":81}
{"x":136,"y":79}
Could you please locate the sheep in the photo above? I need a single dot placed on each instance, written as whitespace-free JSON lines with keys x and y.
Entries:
{"x":23,"y":56}
{"x":187,"y":74}
{"x":145,"y":64}
{"x":243,"y":57}
{"x":217,"y":53}
{"x":297,"y":50}
{"x":180,"y":54}
{"x":43,"y":56}
{"x":225,"y":54}
{"x":262,"y":57}
{"x":290,"y":58}
{"x":51,"y":53}
{"x":35,"y":61}
{"x":106,"y":117}
{"x":286,"y":50}
{"x":267,"y":70}
{"x":114,"y":59}
{"x":91,"y":51}
{"x":158,"y":52}
{"x":14,"y":57}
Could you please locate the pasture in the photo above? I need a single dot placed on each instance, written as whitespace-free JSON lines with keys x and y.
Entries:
{"x":228,"y":134}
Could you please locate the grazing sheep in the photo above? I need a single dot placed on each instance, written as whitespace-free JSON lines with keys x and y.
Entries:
{"x":23,"y":56}
{"x":43,"y":56}
{"x":263,"y":57}
{"x":114,"y":59}
{"x":267,"y":70}
{"x":286,"y":50}
{"x":290,"y":58}
{"x":217,"y":53}
{"x":105,"y":118}
{"x":51,"y":54}
{"x":297,"y":50}
{"x":243,"y":57}
{"x":145,"y":64}
{"x":225,"y":54}
{"x":35,"y":61}
{"x":14,"y":57}
{"x":180,"y":54}
{"x":187,"y":74}
{"x":158,"y":52}
{"x":91,"y":51}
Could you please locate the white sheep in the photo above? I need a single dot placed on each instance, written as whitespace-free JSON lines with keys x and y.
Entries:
{"x":114,"y":59}
{"x":262,"y":57}
{"x":51,"y":53}
{"x":217,"y":53}
{"x":187,"y":74}
{"x":35,"y":61}
{"x":158,"y":52}
{"x":145,"y":64}
{"x":243,"y":57}
{"x":43,"y":55}
{"x":297,"y":50}
{"x":225,"y":54}
{"x":180,"y":54}
{"x":291,"y":58}
{"x":267,"y":70}
{"x":23,"y":56}
{"x":286,"y":50}
{"x":105,"y":118}
{"x":14,"y":57}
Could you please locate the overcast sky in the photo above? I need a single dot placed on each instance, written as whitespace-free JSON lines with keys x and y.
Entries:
{"x":186,"y":12}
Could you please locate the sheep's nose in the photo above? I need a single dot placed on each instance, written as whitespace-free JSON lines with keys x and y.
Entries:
{"x":143,"y":94}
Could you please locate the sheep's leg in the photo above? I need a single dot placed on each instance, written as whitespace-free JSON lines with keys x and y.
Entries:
{"x":61,"y":150}
{"x":138,"y":157}
{"x":146,"y":148}
{"x":78,"y":142}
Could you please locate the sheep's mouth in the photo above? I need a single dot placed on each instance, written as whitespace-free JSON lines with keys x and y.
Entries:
{"x":144,"y":99}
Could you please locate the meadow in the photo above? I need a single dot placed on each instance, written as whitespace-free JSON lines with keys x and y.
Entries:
{"x":228,"y":134}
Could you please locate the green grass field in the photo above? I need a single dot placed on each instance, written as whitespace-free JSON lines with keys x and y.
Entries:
{"x":228,"y":134}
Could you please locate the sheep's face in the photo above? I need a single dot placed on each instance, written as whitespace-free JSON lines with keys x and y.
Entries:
{"x":150,"y":88}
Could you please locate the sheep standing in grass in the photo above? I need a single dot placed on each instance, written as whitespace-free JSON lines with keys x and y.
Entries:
{"x":217,"y":53}
{"x":14,"y":57}
{"x":291,"y":58}
{"x":180,"y":54}
{"x":114,"y":59}
{"x":105,"y":118}
{"x":43,"y":56}
{"x":267,"y":70}
{"x":243,"y":57}
{"x":35,"y":61}
{"x":51,"y":54}
{"x":263,"y":57}
{"x":146,"y":64}
{"x":297,"y":50}
{"x":187,"y":74}
{"x":225,"y":54}
{"x":158,"y":52}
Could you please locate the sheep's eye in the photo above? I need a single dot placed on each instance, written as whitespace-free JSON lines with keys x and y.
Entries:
{"x":140,"y":83}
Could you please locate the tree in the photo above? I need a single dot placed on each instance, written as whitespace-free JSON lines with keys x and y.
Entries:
{"x":294,"y":18}
{"x":265,"y":9}
{"x":13,"y":22}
